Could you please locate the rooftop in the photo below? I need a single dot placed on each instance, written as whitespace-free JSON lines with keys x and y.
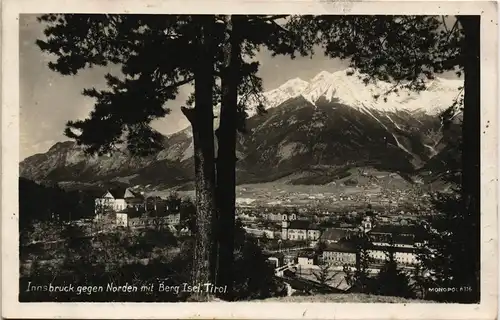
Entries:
{"x":351,"y":248}
{"x":397,"y":230}
{"x":341,"y":247}
{"x":123,"y":193}
{"x":395,"y":249}
{"x":306,"y":254}
{"x":336,"y":234}
{"x":302,"y":224}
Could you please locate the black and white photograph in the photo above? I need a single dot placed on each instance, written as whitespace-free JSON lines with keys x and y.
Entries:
{"x":293,"y":158}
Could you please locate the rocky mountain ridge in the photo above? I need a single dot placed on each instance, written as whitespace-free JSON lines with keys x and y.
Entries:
{"x":332,"y":122}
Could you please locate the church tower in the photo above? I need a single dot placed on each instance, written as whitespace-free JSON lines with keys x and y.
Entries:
{"x":367,"y":224}
{"x":284,"y":226}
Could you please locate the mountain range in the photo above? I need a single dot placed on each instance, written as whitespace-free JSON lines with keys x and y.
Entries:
{"x":314,"y":132}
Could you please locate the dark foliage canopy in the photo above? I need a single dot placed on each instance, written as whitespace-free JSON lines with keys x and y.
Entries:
{"x":407,"y":50}
{"x":156,"y":54}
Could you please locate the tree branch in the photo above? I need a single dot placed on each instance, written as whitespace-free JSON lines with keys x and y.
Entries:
{"x":444,"y":23}
{"x":392,"y":88}
{"x":452,"y":29}
{"x":189,"y":113}
{"x":382,"y":42}
{"x":281,"y":27}
{"x":177,"y":84}
{"x":270,"y":18}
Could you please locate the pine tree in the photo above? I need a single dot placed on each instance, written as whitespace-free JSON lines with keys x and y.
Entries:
{"x":324,"y":276}
{"x":447,"y":257}
{"x":188,"y":215}
{"x":409,"y":51}
{"x":153,"y":73}
{"x":204,"y":150}
{"x":391,"y":281}
{"x":320,"y":247}
{"x":359,"y":279}
{"x":243,"y":37}
{"x":254,"y":278}
{"x":448,"y":245}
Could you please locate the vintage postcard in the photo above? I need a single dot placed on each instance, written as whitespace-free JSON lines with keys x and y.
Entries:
{"x":249,"y":159}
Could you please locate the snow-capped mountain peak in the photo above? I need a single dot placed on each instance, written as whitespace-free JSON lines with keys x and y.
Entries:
{"x":347,"y":87}
{"x":270,"y":99}
{"x":293,"y":86}
{"x":321,"y":76}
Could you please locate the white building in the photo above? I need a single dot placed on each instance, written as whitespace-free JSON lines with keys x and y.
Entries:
{"x":118,"y":199}
{"x":122,"y":219}
{"x":293,"y":229}
{"x":402,"y":255}
{"x":260,"y":232}
{"x":306,"y":258}
{"x":334,"y":235}
{"x":340,"y":254}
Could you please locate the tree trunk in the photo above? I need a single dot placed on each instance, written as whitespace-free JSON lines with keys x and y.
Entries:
{"x":201,"y":119}
{"x":226,"y":158}
{"x":471,"y":149}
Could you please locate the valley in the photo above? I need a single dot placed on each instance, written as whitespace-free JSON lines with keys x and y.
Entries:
{"x":327,"y":136}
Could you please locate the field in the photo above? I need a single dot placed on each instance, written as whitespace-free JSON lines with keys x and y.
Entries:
{"x":318,"y":196}
{"x":356,"y":180}
{"x":269,"y":191}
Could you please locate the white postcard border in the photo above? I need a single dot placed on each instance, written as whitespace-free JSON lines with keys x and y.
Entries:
{"x":10,"y":166}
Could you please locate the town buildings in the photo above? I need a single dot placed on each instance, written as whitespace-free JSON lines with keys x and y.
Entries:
{"x":306,"y":258}
{"x":398,"y":236}
{"x":154,"y":222}
{"x":334,"y":235}
{"x":122,"y":207}
{"x":116,"y":199}
{"x":121,"y":219}
{"x":260,"y":233}
{"x":293,"y":229}
{"x":339,"y":254}
{"x":402,"y":255}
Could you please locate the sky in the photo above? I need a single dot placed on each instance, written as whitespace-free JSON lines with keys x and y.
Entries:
{"x":48,"y":100}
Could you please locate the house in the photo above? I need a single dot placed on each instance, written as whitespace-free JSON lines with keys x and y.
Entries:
{"x":273,"y":261}
{"x":122,"y":219}
{"x":406,"y":256}
{"x":343,"y":253}
{"x":154,"y":222}
{"x":334,"y":235}
{"x":173,"y":219}
{"x":300,"y":230}
{"x":118,"y":199}
{"x":153,"y":203}
{"x":289,"y":258}
{"x":401,"y":240}
{"x":398,"y":236}
{"x":105,"y":219}
{"x":260,"y":233}
{"x":277,"y":258}
{"x":366,"y":224}
{"x":157,"y":206}
{"x":306,"y":258}
{"x":383,"y":218}
{"x":273,"y":216}
{"x":293,"y":229}
{"x":402,"y":255}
